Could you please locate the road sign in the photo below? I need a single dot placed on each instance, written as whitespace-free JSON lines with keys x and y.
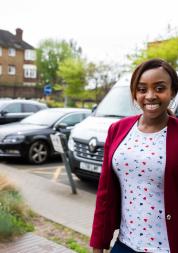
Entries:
{"x":56,"y":141}
{"x":47,"y":89}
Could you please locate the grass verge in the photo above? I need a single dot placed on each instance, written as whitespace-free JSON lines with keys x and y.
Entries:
{"x":14,"y":213}
{"x":61,"y":234}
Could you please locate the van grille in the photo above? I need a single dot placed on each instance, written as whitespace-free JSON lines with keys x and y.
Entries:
{"x":82,"y":152}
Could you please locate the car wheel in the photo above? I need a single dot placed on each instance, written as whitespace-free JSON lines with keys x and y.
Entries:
{"x":38,"y":152}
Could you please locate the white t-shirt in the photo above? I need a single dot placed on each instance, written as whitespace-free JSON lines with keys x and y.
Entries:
{"x":139,"y":163}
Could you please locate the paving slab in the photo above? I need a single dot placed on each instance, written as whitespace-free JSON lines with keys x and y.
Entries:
{"x":30,"y":243}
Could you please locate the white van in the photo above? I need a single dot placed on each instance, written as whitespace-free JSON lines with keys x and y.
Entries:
{"x":86,"y":142}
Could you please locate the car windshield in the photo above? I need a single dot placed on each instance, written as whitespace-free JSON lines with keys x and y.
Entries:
{"x":45,"y":117}
{"x":117,"y":103}
{"x":4,"y":102}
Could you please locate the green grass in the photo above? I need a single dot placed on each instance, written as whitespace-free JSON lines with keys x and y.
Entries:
{"x":72,"y":244}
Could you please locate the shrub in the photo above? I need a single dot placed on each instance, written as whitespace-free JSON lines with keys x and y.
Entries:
{"x":14,"y":213}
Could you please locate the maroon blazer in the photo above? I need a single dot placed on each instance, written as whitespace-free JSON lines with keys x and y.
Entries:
{"x":108,"y":203}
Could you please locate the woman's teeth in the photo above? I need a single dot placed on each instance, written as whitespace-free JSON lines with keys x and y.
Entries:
{"x":152,"y":107}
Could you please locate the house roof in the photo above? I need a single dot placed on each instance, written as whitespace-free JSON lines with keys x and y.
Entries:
{"x":7,"y":40}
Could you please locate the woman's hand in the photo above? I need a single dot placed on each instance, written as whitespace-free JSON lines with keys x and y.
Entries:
{"x":97,"y":250}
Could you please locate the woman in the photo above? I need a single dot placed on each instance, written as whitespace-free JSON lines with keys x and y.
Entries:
{"x":138,"y":188}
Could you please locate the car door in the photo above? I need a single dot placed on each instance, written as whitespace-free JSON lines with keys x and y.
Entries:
{"x":66,"y":124}
{"x":29,"y":109}
{"x":11,"y":113}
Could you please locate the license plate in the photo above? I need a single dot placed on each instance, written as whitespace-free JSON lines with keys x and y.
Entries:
{"x":90,"y":167}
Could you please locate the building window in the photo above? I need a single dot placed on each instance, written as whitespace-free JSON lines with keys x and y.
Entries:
{"x":30,"y":55}
{"x":0,"y":51}
{"x":0,"y":70}
{"x":30,"y":71}
{"x":11,"y":70}
{"x":11,"y":52}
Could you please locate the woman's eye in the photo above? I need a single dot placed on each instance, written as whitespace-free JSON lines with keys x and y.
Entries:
{"x":160,"y":88}
{"x":141,"y":89}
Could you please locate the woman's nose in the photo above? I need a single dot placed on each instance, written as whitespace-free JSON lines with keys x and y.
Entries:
{"x":150,"y":94}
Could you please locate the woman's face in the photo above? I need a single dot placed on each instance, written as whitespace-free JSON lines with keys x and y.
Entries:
{"x":153,"y":92}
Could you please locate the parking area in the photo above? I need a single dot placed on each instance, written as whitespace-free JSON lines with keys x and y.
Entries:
{"x":54,"y":170}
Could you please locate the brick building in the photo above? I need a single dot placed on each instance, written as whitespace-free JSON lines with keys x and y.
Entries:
{"x":17,"y":60}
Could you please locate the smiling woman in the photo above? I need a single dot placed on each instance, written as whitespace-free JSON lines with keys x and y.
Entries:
{"x":138,"y":185}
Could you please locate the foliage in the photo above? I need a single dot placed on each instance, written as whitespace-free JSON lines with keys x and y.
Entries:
{"x":53,"y":103}
{"x":50,"y":54}
{"x":14,"y":214}
{"x":101,"y":77}
{"x":73,"y":73}
{"x":165,"y":49}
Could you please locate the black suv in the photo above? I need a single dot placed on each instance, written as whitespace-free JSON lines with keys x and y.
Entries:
{"x":12,"y":110}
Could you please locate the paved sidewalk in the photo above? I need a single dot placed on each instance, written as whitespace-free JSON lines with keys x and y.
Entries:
{"x":54,"y":201}
{"x":30,"y":243}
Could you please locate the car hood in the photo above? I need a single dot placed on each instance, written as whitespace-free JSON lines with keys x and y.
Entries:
{"x":92,"y":126}
{"x":18,"y":128}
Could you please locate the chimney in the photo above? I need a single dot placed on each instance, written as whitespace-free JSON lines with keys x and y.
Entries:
{"x":18,"y":35}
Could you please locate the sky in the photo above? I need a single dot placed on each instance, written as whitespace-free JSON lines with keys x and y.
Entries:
{"x":107,"y":30}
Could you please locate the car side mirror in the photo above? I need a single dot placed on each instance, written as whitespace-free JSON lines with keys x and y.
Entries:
{"x":94,"y":108}
{"x":61,"y":126}
{"x":3,"y":113}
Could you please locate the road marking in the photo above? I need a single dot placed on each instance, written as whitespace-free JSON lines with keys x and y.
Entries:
{"x":56,"y":174}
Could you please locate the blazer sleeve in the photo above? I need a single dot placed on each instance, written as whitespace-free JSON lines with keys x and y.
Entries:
{"x":98,"y":240}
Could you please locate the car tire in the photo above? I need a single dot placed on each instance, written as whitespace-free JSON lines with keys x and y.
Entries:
{"x":38,"y":152}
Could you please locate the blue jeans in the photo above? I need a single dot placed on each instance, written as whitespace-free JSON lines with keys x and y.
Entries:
{"x":120,"y":247}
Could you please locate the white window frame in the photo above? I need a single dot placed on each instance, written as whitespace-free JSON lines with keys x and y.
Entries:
{"x":30,"y":55}
{"x":30,"y":71}
{"x":0,"y":51}
{"x":11,"y":52}
{"x":0,"y":69}
{"x":11,"y":70}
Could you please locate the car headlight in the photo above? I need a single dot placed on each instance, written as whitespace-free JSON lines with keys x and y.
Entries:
{"x":13,"y":139}
{"x":71,"y":143}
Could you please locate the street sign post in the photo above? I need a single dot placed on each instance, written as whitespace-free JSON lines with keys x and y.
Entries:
{"x":60,"y":145}
{"x":47,"y":89}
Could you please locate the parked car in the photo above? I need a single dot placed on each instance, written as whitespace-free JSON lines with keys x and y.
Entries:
{"x":12,"y":110}
{"x":86,"y":142}
{"x":30,"y":138}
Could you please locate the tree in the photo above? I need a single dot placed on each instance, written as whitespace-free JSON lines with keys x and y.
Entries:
{"x":73,"y":73}
{"x":50,"y":54}
{"x":101,"y":77}
{"x":165,"y":49}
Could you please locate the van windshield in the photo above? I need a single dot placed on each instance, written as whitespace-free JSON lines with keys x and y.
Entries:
{"x":117,"y":103}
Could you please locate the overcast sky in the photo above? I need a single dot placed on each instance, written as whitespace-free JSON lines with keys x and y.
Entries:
{"x":105,"y":29}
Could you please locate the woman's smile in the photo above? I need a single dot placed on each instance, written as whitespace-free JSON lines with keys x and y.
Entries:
{"x":151,"y":107}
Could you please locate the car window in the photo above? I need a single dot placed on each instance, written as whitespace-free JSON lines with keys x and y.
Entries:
{"x":30,"y":108}
{"x":72,"y":119}
{"x":13,"y":108}
{"x":85,"y":115}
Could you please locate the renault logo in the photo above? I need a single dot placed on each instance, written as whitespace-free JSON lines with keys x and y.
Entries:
{"x":92,"y":145}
